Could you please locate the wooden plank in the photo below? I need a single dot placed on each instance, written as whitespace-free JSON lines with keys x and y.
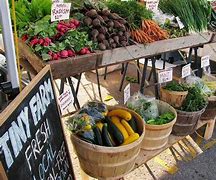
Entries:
{"x":27,"y":66}
{"x":145,"y":155}
{"x":209,"y":129}
{"x":120,"y":55}
{"x":73,"y":66}
{"x":33,"y":59}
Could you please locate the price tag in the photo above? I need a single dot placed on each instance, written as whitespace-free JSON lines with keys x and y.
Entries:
{"x":165,"y":75}
{"x":126,"y":93}
{"x":152,"y":5}
{"x":205,"y":61}
{"x":60,"y":11}
{"x":57,"y":1}
{"x":66,"y":100}
{"x":186,"y":70}
{"x":181,"y":25}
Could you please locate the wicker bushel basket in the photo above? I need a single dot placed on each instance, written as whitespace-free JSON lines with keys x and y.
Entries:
{"x":109,"y":162}
{"x":157,"y":136}
{"x":210,"y":112}
{"x":174,"y":98}
{"x":186,"y":122}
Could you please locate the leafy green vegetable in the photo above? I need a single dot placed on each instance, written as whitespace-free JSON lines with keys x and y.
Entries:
{"x":29,"y":12}
{"x":162,"y":119}
{"x":175,"y":86}
{"x":195,"y":100}
{"x":194,"y":14}
{"x":131,"y":10}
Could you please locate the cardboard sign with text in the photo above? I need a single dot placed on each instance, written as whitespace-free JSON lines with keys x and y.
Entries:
{"x":165,"y":75}
{"x":60,"y":11}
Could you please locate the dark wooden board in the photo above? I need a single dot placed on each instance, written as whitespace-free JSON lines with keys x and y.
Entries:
{"x":32,"y":141}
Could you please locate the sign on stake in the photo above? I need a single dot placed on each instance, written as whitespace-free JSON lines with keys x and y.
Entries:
{"x":60,"y":11}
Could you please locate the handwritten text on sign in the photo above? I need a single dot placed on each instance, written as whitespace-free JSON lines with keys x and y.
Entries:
{"x":152,"y":5}
{"x":186,"y":70}
{"x":126,"y":93}
{"x":31,"y":139}
{"x":60,"y":11}
{"x":165,"y":75}
{"x":65,"y":100}
{"x":205,"y":61}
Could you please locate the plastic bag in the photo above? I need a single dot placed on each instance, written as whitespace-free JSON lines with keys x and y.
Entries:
{"x":194,"y":80}
{"x":96,"y":110}
{"x":145,"y":106}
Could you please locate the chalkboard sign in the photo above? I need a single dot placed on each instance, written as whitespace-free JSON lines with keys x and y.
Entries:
{"x":32,"y":144}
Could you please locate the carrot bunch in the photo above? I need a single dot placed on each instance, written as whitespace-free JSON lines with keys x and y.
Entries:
{"x":149,"y":32}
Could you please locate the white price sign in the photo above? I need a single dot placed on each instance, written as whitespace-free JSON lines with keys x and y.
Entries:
{"x":186,"y":70}
{"x":60,"y":11}
{"x":66,"y":99}
{"x":152,"y":5}
{"x":165,"y":75}
{"x":181,"y":25}
{"x":205,"y":61}
{"x":126,"y":93}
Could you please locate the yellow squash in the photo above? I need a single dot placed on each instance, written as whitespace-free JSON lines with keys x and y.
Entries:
{"x":116,"y":121}
{"x":123,"y":114}
{"x":127,"y":127}
{"x":131,"y":139}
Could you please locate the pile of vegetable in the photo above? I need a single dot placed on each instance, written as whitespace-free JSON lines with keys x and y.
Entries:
{"x":194,"y":14}
{"x":174,"y":30}
{"x":95,"y":125}
{"x":175,"y":86}
{"x":147,"y":108}
{"x":195,"y":100}
{"x":143,"y":29}
{"x":108,"y":29}
{"x":56,"y":40}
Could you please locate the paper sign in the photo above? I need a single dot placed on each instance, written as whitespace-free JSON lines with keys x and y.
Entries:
{"x":126,"y":93}
{"x":205,"y":61}
{"x":181,"y":25}
{"x":152,"y":5}
{"x":66,"y":99}
{"x":57,"y":1}
{"x":60,"y":11}
{"x":165,"y":75}
{"x":186,"y":70}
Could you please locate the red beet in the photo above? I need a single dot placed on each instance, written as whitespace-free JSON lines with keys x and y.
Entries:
{"x":46,"y":44}
{"x":50,"y":53}
{"x":64,"y":54}
{"x":48,"y":40}
{"x":55,"y":57}
{"x":25,"y":37}
{"x":41,"y":41}
{"x":83,"y":51}
{"x":76,"y":23}
{"x":34,"y":42}
{"x":71,"y":53}
{"x":72,"y":26}
{"x":88,"y":52}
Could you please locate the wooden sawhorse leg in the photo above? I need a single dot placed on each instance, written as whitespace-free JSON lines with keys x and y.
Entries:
{"x":209,"y":129}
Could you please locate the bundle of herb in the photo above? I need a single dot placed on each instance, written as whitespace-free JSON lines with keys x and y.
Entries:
{"x":195,"y":100}
{"x":131,"y":10}
{"x":195,"y":14}
{"x":175,"y":86}
{"x":162,"y":119}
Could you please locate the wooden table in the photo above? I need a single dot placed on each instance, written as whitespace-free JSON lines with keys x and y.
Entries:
{"x":75,"y":65}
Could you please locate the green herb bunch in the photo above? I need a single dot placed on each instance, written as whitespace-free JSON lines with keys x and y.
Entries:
{"x":175,"y":86}
{"x":131,"y":10}
{"x":195,"y":100}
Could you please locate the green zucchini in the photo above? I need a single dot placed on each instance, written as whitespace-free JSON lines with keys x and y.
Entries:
{"x":133,"y":124}
{"x":115,"y":133}
{"x":98,"y":137}
{"x":105,"y":135}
